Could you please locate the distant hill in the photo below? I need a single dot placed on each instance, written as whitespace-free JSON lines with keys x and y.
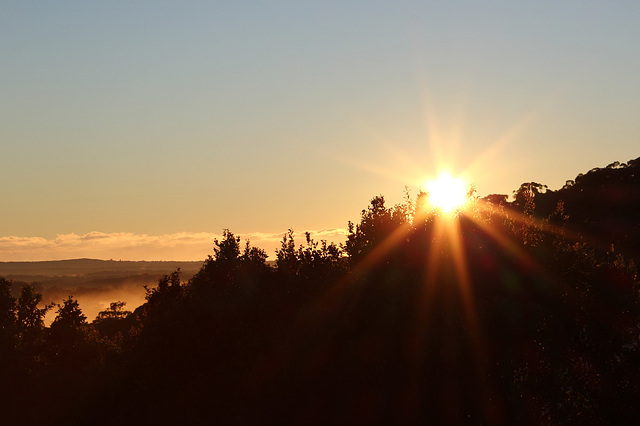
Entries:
{"x":93,"y":267}
{"x":94,"y":283}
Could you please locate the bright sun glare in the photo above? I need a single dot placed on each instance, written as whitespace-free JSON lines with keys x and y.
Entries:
{"x":447,"y":193}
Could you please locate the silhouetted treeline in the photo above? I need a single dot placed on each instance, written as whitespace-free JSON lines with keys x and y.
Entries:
{"x":603,"y":204}
{"x":523,"y":312}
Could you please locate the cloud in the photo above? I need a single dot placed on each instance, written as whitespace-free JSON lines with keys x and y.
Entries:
{"x":128,"y":246}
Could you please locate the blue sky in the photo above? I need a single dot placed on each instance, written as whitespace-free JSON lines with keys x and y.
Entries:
{"x":163,"y":118}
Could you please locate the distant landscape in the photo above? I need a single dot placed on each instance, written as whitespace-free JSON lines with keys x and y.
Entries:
{"x":94,"y":283}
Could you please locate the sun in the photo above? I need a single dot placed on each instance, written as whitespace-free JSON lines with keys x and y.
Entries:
{"x":447,"y":193}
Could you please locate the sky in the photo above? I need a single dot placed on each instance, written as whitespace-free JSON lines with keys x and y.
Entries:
{"x":141,"y":129}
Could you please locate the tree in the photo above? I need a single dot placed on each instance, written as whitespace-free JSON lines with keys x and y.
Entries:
{"x":319,"y":262}
{"x":254,"y":256}
{"x":286,"y":256}
{"x":114,"y":311}
{"x":228,"y":280}
{"x":69,"y":315}
{"x":113,"y":320}
{"x":499,"y":199}
{"x":254,"y":263}
{"x":526,"y":194}
{"x":167,"y":292}
{"x":7,"y":306}
{"x":375,"y":224}
{"x":30,"y":318}
{"x":7,"y":323}
{"x":221,"y":268}
{"x":69,"y":334}
{"x":228,"y":249}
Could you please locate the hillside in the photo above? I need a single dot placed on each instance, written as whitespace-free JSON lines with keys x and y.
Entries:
{"x":602,"y":205}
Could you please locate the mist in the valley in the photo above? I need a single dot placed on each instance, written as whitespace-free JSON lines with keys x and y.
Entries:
{"x":93,"y":299}
{"x":93,"y":283}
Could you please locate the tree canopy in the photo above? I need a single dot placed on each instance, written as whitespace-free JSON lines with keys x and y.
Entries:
{"x":521,"y":312}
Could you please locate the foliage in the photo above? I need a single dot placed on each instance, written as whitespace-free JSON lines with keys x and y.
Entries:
{"x":115,"y":311}
{"x":377,"y":223}
{"x":523,"y":312}
{"x":7,"y":306}
{"x":29,"y":317}
{"x":69,"y":315}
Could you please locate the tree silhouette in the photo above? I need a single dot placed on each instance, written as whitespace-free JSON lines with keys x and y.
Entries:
{"x":115,"y":311}
{"x":377,"y":223}
{"x":7,"y":307}
{"x":522,"y":312}
{"x":8,"y":340}
{"x":69,"y":315}
{"x":114,"y":322}
{"x":287,"y":260}
{"x":29,"y":317}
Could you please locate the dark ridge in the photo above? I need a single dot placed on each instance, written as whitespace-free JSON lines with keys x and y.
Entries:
{"x":77,"y":267}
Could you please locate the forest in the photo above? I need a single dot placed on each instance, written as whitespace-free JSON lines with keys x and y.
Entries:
{"x":507,"y":312}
